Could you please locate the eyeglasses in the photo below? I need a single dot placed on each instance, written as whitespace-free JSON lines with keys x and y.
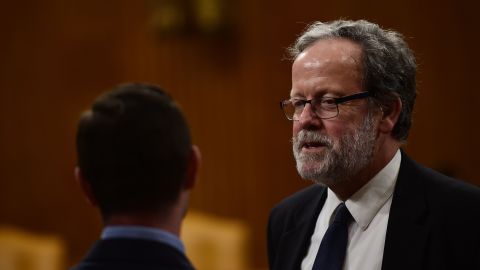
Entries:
{"x":324,"y":108}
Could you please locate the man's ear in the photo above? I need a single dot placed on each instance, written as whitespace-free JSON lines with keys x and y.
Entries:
{"x":194,"y":162}
{"x":390,"y":116}
{"x":85,"y":187}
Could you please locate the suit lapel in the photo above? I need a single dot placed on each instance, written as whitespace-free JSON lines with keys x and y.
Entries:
{"x":408,"y":228}
{"x":294,"y":243}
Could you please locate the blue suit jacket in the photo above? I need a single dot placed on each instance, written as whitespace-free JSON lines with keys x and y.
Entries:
{"x":434,"y":223}
{"x":133,"y":254}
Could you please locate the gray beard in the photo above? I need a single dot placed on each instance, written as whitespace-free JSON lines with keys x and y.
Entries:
{"x":341,"y":159}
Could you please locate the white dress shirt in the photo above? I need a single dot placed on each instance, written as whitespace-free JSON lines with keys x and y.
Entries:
{"x":370,"y":207}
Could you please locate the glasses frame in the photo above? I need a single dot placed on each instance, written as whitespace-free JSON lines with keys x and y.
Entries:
{"x":337,"y":101}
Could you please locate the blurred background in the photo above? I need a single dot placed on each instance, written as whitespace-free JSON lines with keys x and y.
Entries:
{"x":224,"y":62}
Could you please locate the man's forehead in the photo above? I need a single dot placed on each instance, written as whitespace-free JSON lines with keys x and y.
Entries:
{"x":327,"y":66}
{"x":332,"y":50}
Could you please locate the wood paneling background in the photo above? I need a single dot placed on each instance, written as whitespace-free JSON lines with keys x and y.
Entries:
{"x":57,"y":56}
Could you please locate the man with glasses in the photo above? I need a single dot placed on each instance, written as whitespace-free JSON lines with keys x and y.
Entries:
{"x":371,"y":207}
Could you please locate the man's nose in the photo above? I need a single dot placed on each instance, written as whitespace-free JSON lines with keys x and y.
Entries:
{"x":308,"y":117}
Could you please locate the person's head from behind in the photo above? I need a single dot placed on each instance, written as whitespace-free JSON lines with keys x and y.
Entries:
{"x":135,"y":157}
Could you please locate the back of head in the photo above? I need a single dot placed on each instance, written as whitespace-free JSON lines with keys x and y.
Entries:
{"x":388,"y":64}
{"x":133,"y":147}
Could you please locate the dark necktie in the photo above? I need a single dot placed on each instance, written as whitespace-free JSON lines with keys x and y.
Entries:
{"x":331,"y":254}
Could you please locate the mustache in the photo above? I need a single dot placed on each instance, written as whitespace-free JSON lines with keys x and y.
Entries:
{"x":309,"y":137}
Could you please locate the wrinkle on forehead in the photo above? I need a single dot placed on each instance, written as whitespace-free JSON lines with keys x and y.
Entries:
{"x":340,"y":51}
{"x":312,"y":64}
{"x":349,"y":59}
{"x":310,"y":60}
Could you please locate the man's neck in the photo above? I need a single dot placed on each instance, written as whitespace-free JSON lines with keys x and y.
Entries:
{"x":169,"y":220}
{"x":166,"y":222}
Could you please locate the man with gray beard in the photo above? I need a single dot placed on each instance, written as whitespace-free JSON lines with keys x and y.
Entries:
{"x":341,"y":160}
{"x":371,"y":207}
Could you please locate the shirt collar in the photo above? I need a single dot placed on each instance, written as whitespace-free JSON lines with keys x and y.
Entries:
{"x":143,"y":232}
{"x":366,"y":202}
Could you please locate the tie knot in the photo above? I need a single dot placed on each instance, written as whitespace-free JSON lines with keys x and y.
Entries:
{"x":342,"y":214}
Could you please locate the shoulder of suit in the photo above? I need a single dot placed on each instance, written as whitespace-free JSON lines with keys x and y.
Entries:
{"x":447,"y":191}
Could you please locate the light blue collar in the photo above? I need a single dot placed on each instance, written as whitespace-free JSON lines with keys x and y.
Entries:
{"x":143,"y":232}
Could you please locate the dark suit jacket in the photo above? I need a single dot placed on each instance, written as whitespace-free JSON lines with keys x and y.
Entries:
{"x":434,"y":223}
{"x":133,"y":254}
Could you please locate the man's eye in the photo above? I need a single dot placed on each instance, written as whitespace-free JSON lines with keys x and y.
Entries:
{"x":328,"y":101}
{"x":298,"y":103}
{"x":328,"y":104}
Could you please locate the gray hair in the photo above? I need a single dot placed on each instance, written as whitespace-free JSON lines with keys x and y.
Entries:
{"x":388,"y":63}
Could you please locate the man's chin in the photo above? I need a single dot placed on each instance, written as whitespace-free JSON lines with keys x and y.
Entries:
{"x":308,"y":172}
{"x":314,"y":177}
{"x":311,"y":166}
{"x":314,"y":171}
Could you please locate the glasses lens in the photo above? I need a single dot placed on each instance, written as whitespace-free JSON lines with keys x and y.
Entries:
{"x":323,"y":108}
{"x":288,"y":109}
{"x":326,"y":108}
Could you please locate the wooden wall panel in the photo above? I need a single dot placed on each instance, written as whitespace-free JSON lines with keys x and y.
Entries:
{"x":57,"y":56}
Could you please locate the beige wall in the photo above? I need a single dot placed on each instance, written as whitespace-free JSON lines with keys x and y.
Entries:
{"x":56,"y":56}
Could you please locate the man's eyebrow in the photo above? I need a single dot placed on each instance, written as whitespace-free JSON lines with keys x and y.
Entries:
{"x":291,"y":93}
{"x":298,"y":96}
{"x":318,"y":94}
